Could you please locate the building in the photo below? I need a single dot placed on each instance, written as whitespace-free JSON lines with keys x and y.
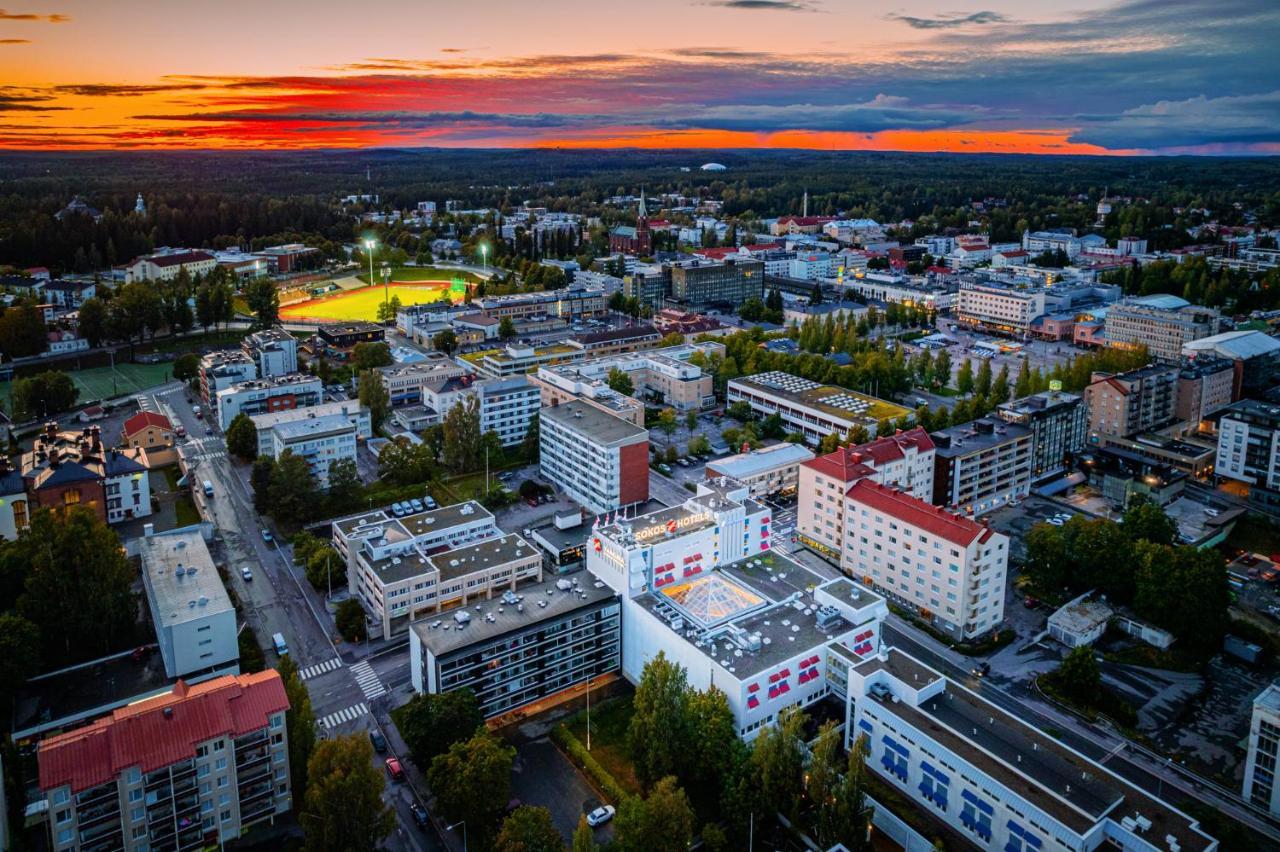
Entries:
{"x":982,"y":465}
{"x":1059,"y":424}
{"x":273,"y":350}
{"x":506,"y":406}
{"x":338,"y":339}
{"x":1003,"y":784}
{"x":1161,"y":323}
{"x":193,"y":616}
{"x":1079,"y":622}
{"x":1062,"y":239}
{"x":1264,"y":741}
{"x":931,"y":292}
{"x":788,"y":225}
{"x":1001,"y":310}
{"x":1121,"y":476}
{"x":192,"y":768}
{"x":221,"y":370}
{"x":811,"y":409}
{"x":697,"y":285}
{"x":1249,"y":448}
{"x":291,"y":257}
{"x":15,"y":507}
{"x":810,"y":266}
{"x":321,"y":434}
{"x":514,"y":359}
{"x":1125,"y":404}
{"x":147,"y":430}
{"x":1254,"y":355}
{"x":402,"y":569}
{"x":568,"y":303}
{"x":403,"y":382}
{"x":765,"y":472}
{"x":638,"y":240}
{"x":167,"y":264}
{"x":1205,"y":385}
{"x":68,"y":294}
{"x":616,"y":341}
{"x":261,"y":396}
{"x":75,"y":469}
{"x":512,"y":653}
{"x":600,"y":461}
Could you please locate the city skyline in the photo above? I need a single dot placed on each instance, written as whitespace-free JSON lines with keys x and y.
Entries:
{"x":1045,"y":76}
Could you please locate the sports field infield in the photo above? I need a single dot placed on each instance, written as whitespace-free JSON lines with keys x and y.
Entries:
{"x":363,"y":304}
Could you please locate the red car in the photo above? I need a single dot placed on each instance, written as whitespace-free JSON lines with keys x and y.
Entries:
{"x":394,"y":769}
{"x":1031,"y":603}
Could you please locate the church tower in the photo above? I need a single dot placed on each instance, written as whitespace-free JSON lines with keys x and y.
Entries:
{"x":140,"y":206}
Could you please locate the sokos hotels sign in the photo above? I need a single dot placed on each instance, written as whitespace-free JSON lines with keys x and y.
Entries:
{"x":672,"y":526}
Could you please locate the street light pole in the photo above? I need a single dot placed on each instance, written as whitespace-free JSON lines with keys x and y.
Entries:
{"x":484,"y":255}
{"x":463,"y":823}
{"x":368,"y":247}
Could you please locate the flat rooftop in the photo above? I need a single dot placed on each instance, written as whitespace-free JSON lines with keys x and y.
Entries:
{"x":654,"y":526}
{"x":535,"y":602}
{"x":481,"y":556}
{"x":833,"y":400}
{"x":183,"y":580}
{"x":313,"y":427}
{"x":346,"y":408}
{"x":603,"y":427}
{"x":975,"y":436}
{"x":557,"y":539}
{"x":759,"y":461}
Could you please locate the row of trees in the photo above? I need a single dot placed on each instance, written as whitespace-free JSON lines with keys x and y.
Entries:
{"x":285,"y":490}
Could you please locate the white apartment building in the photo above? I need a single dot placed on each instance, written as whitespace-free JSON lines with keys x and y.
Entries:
{"x":403,"y":382}
{"x":273,"y":350}
{"x":1004,"y":785}
{"x":765,"y":472}
{"x":1249,"y":444}
{"x":1000,"y":309}
{"x":1039,"y":242}
{"x":189,"y":769}
{"x":221,"y":370}
{"x":810,"y":266}
{"x":1264,"y":743}
{"x":166,"y":264}
{"x":321,"y":434}
{"x":888,"y":287}
{"x":194,"y":619}
{"x":600,"y":461}
{"x":506,"y":406}
{"x":262,"y":396}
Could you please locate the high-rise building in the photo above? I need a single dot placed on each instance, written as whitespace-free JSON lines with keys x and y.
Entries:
{"x":982,"y":465}
{"x":600,"y":461}
{"x":1125,"y":404}
{"x":1059,"y":424}
{"x":1263,"y":748}
{"x":1249,"y":448}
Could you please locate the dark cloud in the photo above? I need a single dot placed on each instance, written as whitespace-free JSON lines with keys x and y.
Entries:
{"x":406,"y":118}
{"x":15,"y":41}
{"x":767,"y":5}
{"x":947,"y":22}
{"x":121,"y":89}
{"x":33,"y":16}
{"x":1228,"y":120}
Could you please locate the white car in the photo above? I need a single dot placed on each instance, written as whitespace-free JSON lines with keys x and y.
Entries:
{"x":600,"y":815}
{"x":246,"y":574}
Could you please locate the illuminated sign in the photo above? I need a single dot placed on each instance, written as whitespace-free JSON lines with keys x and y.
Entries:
{"x":596,"y":544}
{"x":1055,"y":385}
{"x":670,"y":526}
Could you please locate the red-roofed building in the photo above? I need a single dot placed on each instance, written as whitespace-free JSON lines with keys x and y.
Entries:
{"x":191,"y":768}
{"x":167,"y":264}
{"x":799,"y":224}
{"x":148,"y":429}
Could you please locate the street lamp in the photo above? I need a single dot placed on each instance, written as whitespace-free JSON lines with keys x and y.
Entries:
{"x":368,"y":247}
{"x":463,"y":823}
{"x":484,"y":255}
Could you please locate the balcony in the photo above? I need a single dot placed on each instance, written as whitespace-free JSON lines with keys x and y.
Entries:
{"x":254,"y":756}
{"x":100,"y":830}
{"x":97,"y":813}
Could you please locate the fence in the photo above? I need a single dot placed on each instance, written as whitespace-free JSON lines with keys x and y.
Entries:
{"x":897,"y":830}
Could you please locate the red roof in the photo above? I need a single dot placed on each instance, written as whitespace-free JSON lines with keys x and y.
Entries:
{"x":1017,"y":253}
{"x":145,"y":419}
{"x":159,"y":731}
{"x":761,"y":247}
{"x":716,"y":253}
{"x":934,"y":520}
{"x":850,"y":463}
{"x":805,"y":220}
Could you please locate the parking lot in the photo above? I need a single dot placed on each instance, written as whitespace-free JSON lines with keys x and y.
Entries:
{"x":1017,"y":520}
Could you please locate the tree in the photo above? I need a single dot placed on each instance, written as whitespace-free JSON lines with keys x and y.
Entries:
{"x":322,"y":562}
{"x":299,"y":722}
{"x":982,"y":385}
{"x":350,"y":621}
{"x":528,"y":829}
{"x":472,"y":782}
{"x":373,"y":396}
{"x":263,"y":300}
{"x":370,"y":354}
{"x":837,"y":790}
{"x":852,"y":816}
{"x":620,"y":381}
{"x":92,"y":324}
{"x":506,"y":329}
{"x":343,"y":809}
{"x":260,"y":476}
{"x":1000,"y":387}
{"x":242,"y":438}
{"x":691,"y":421}
{"x":1079,"y":676}
{"x":663,"y":822}
{"x":19,"y":657}
{"x":345,"y":488}
{"x":44,"y":394}
{"x":942,"y":368}
{"x":1183,"y":590}
{"x":77,"y":588}
{"x":445,"y":341}
{"x":667,"y":422}
{"x":1048,"y":559}
{"x":658,"y":733}
{"x":964,"y":378}
{"x":186,"y":366}
{"x":432,"y":723}
{"x":1145,"y":521}
{"x":387,"y":310}
{"x":1022,"y":386}
{"x":740,"y":411}
{"x":584,"y":839}
{"x":462,"y":437}
{"x":713,"y":739}
{"x":699,"y":446}
{"x":778,"y":756}
{"x":293,"y":490}
{"x":22,"y":332}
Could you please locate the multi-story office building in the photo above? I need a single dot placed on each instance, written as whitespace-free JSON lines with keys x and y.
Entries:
{"x":1003,"y":310}
{"x":537,"y":642}
{"x":982,"y":465}
{"x":1205,"y":385}
{"x":1249,"y":448}
{"x":513,"y":360}
{"x":506,"y":406}
{"x":1161,"y":323}
{"x":1003,"y":784}
{"x":766,"y":472}
{"x":261,"y":396}
{"x":1264,"y":744}
{"x":1059,"y":424}
{"x":190,"y":769}
{"x":193,"y":616}
{"x":616,"y":341}
{"x":904,"y":461}
{"x":697,"y":285}
{"x":931,"y":292}
{"x":405,"y":568}
{"x":811,"y":409}
{"x":403,"y":382}
{"x":1125,"y":404}
{"x":321,"y":434}
{"x":273,"y":350}
{"x":221,"y":370}
{"x":600,"y":461}
{"x":1039,"y":242}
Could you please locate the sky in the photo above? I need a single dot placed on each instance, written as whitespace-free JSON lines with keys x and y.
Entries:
{"x":1016,"y":76}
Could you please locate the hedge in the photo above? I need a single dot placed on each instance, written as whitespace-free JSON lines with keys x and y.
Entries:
{"x":578,"y":754}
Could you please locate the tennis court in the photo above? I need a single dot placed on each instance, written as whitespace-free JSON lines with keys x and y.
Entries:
{"x":95,"y":382}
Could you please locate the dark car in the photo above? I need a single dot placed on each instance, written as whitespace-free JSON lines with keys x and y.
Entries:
{"x":379,"y":742}
{"x":419,"y":815}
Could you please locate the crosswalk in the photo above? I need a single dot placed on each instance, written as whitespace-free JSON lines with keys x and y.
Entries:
{"x":368,"y":680}
{"x":350,"y":714}
{"x":320,"y":668}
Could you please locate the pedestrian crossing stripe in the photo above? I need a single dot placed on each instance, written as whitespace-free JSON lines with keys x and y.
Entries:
{"x":350,"y":714}
{"x":320,"y":668}
{"x":367,"y":680}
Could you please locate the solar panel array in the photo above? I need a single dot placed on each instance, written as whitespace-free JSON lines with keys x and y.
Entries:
{"x":785,"y":381}
{"x":845,"y":402}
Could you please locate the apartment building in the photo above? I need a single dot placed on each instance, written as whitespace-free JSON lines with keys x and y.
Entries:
{"x":1003,"y":784}
{"x":74,"y":468}
{"x":511,"y":654}
{"x":1161,"y":323}
{"x":616,"y":341}
{"x":572,"y":302}
{"x":698,"y":285}
{"x":1264,"y":743}
{"x":402,"y":569}
{"x":221,"y":370}
{"x":190,"y":769}
{"x":513,"y":360}
{"x":1059,"y":424}
{"x":506,"y":406}
{"x":766,"y":472}
{"x":600,"y":461}
{"x":1205,"y":385}
{"x":1249,"y":447}
{"x":982,"y":465}
{"x":1125,"y":404}
{"x":262,"y":396}
{"x":193,"y":616}
{"x":403,"y":382}
{"x":273,"y":350}
{"x":811,"y":409}
{"x":1001,"y":310}
{"x":321,"y":434}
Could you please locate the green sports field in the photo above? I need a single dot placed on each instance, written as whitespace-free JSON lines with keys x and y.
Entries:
{"x":96,"y":382}
{"x":363,"y":304}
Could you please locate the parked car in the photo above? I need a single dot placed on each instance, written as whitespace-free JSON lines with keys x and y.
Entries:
{"x":378,"y":741}
{"x":399,"y":510}
{"x":532,"y":501}
{"x":417,"y":505}
{"x":266,"y":536}
{"x":1030,"y":602}
{"x":394,"y":769}
{"x":430,"y":502}
{"x":419,"y":815}
{"x":246,"y":573}
{"x":600,"y":815}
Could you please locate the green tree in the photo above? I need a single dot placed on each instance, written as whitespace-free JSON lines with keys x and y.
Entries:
{"x":369,"y":355}
{"x":263,"y":300}
{"x":242,"y":438}
{"x":584,"y":839}
{"x":1022,"y":386}
{"x":942,"y":368}
{"x":300,"y":724}
{"x":445,"y":341}
{"x":620,"y":381}
{"x":691,"y":421}
{"x":462,"y":437}
{"x":778,"y":756}
{"x":92,"y":324}
{"x":44,"y":394}
{"x":1145,"y":521}
{"x":186,"y":366}
{"x":350,"y":621}
{"x":323,"y":563}
{"x":472,"y":782}
{"x":699,"y":445}
{"x":506,"y":329}
{"x":1048,"y":561}
{"x":22,"y":332}
{"x":1183,"y":590}
{"x":667,"y":422}
{"x":19,"y":657}
{"x":964,"y":378}
{"x":663,"y":822}
{"x":373,"y":396}
{"x":345,"y":488}
{"x":1079,"y":676}
{"x":432,"y":723}
{"x":1000,"y":387}
{"x":982,"y":385}
{"x":528,"y":829}
{"x":293,"y":490}
{"x":829,"y":444}
{"x":713,"y":739}
{"x":836,"y":789}
{"x":260,"y":476}
{"x":658,"y":733}
{"x":343,"y":810}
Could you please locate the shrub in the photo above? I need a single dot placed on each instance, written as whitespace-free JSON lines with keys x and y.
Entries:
{"x":577,"y":752}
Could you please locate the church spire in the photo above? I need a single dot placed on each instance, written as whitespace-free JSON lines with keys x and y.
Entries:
{"x":642,"y":213}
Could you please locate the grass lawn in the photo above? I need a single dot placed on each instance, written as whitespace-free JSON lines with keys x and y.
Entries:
{"x":609,"y":721}
{"x":184,"y":511}
{"x":95,"y":383}
{"x":362,"y":304}
{"x":424,"y":273}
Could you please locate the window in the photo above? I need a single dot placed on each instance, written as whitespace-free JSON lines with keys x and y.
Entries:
{"x":63,"y":815}
{"x":225,"y":816}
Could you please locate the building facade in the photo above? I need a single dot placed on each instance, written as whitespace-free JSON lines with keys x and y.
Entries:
{"x":1205,"y":385}
{"x":698,"y":285}
{"x":1264,"y":743}
{"x":221,"y":370}
{"x":1125,"y":404}
{"x":982,"y":465}
{"x":767,"y":472}
{"x":1059,"y":424}
{"x":321,"y":434}
{"x":273,"y":350}
{"x":167,"y":265}
{"x":600,"y":461}
{"x":1163,"y":324}
{"x":1003,"y":310}
{"x":813,"y":410}
{"x":193,"y":616}
{"x":263,"y":396}
{"x":1249,"y":446}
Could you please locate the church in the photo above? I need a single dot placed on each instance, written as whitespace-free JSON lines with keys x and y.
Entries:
{"x":636,"y":241}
